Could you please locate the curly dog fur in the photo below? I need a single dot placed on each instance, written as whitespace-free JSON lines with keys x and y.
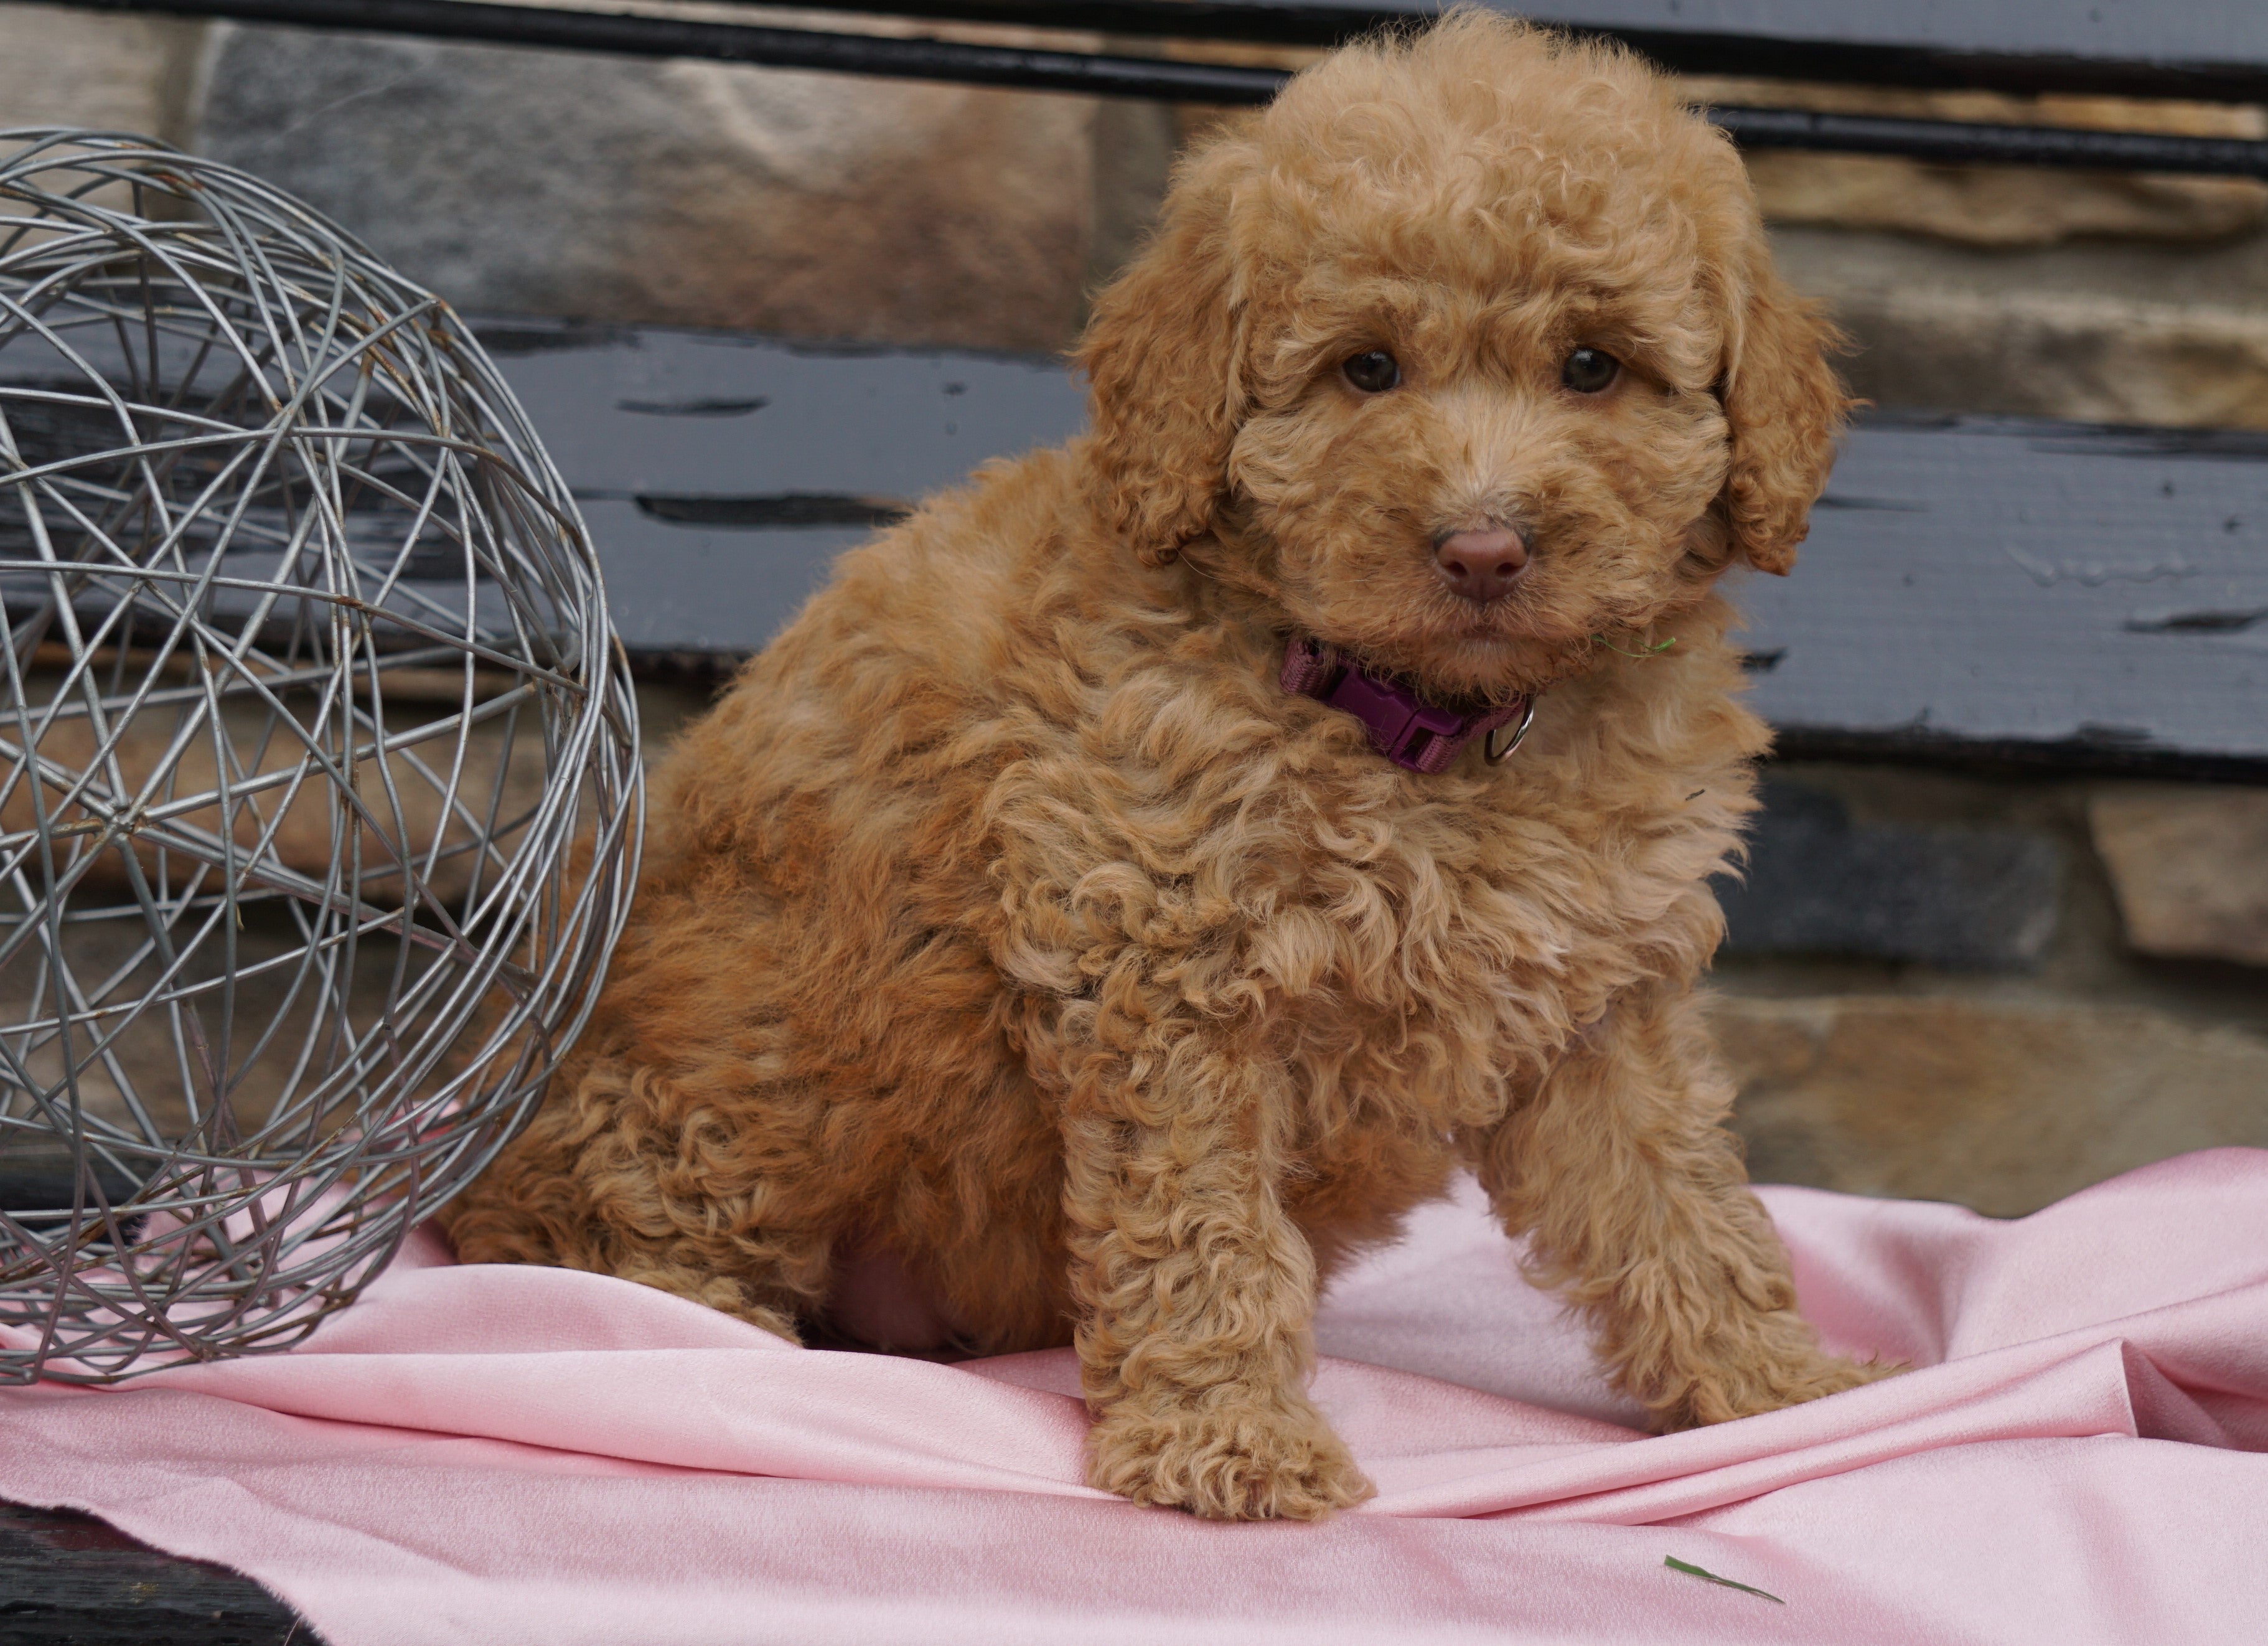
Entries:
{"x":1008,"y":930}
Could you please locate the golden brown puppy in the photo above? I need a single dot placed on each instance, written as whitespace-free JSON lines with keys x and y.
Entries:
{"x":1015,"y":942}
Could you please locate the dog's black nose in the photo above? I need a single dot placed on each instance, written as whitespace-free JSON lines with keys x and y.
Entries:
{"x":1481,"y":565}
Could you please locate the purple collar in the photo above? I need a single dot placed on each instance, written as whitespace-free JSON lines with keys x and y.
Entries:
{"x":1408,"y":730}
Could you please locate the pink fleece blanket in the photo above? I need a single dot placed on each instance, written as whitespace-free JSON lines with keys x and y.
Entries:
{"x":498,"y":1454}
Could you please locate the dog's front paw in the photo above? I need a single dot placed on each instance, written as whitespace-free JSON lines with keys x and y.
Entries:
{"x":1235,"y":1462}
{"x":1783,"y":1367}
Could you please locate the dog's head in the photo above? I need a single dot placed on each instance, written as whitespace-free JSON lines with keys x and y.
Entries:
{"x":1468,"y":349}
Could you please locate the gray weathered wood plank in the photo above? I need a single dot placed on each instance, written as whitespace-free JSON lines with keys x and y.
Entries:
{"x":1980,"y":590}
{"x":2045,"y":592}
{"x":2057,"y":36}
{"x":2229,"y":32}
{"x":2117,"y":30}
{"x":1974,"y":588}
{"x":2206,"y":50}
{"x":661,"y":432}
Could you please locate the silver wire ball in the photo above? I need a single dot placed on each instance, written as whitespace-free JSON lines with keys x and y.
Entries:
{"x":320,"y":796}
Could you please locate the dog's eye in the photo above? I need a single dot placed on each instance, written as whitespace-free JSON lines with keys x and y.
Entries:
{"x":1373,"y":372}
{"x":1588,"y":371}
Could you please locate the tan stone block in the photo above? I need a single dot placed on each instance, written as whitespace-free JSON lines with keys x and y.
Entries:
{"x":102,"y":71}
{"x":2084,"y":356}
{"x":419,"y":804}
{"x":2003,"y":1107}
{"x":141,"y":1055}
{"x":269,"y":989}
{"x":2190,"y":866}
{"x":2002,"y":206}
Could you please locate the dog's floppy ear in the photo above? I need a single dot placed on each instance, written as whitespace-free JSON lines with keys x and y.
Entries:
{"x":1160,"y":358}
{"x":1786,"y":406}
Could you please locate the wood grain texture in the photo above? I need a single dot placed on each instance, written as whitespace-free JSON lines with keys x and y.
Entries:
{"x":1990,"y":591}
{"x":2134,"y":29}
{"x":2211,"y":52}
{"x":68,"y":1580}
{"x":2141,"y":31}
{"x":1980,"y":591}
{"x":643,"y":422}
{"x":2033,"y":592}
{"x":2202,"y":34}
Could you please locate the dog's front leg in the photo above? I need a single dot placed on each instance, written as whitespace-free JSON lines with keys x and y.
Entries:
{"x":1631,"y":1194}
{"x":1195,"y":1293}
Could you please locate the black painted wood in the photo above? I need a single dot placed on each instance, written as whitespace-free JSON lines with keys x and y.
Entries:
{"x":1975,"y":591}
{"x":69,"y":1580}
{"x":1976,"y":143}
{"x":2138,"y":47}
{"x":2215,"y":53}
{"x":1043,"y":70}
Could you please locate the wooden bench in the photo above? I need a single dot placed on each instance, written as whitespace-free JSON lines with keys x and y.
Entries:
{"x":1989,"y":592}
{"x":1983,"y":591}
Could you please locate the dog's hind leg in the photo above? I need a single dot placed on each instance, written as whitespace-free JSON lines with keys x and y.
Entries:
{"x":621,"y":1172}
{"x":1631,"y":1194}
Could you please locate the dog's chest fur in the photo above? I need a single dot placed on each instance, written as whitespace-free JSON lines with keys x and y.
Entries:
{"x":1397,"y":956}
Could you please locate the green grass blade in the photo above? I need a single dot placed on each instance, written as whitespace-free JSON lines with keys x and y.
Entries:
{"x":1691,"y":1570}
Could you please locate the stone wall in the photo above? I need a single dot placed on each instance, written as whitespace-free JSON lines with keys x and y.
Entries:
{"x":2016,"y":986}
{"x":2027,"y":985}
{"x":696,"y":194}
{"x":62,"y":68}
{"x":2105,"y":297}
{"x":629,"y":189}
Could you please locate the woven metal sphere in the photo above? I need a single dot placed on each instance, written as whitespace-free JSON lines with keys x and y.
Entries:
{"x":318,"y":783}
